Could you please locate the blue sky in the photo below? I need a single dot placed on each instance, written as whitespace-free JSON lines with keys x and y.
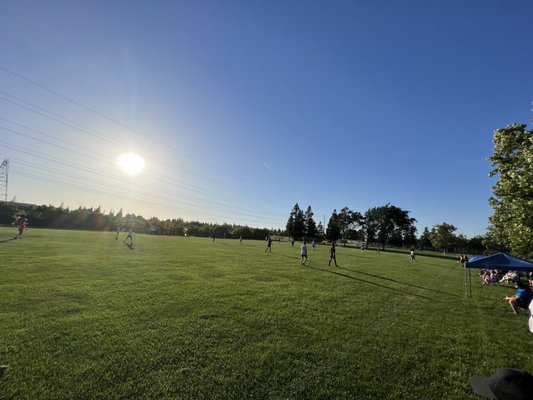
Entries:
{"x":241,"y":109}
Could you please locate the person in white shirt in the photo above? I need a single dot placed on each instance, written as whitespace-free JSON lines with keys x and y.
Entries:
{"x":303,"y":253}
{"x":130,"y":237}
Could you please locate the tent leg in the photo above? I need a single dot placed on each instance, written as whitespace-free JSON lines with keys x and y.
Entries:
{"x":466,"y":291}
{"x":469,"y":283}
{"x":466,"y":282}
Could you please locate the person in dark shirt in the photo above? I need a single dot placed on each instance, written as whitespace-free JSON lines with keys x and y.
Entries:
{"x":332,"y":254}
{"x":269,"y":244}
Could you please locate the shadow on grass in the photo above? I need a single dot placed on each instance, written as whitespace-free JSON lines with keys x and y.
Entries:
{"x":374,"y":283}
{"x":297,"y":259}
{"x":406,"y":284}
{"x":6,"y":240}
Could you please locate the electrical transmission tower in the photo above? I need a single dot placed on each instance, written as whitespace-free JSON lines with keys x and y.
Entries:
{"x":4,"y":170}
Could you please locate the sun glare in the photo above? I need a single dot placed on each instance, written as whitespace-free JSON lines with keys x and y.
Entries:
{"x":131,"y":163}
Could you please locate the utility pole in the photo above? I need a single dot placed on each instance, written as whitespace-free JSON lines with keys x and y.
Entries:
{"x":4,"y":170}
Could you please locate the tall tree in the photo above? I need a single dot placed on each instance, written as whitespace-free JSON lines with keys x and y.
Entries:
{"x":425,"y":239}
{"x":475,"y":245}
{"x":333,"y":231}
{"x":320,"y":230}
{"x":409,"y":236}
{"x":461,"y":243}
{"x":442,"y":236}
{"x":389,"y":223}
{"x":296,"y":223}
{"x":310,"y":224}
{"x":348,"y":222}
{"x":290,"y":222}
{"x":511,"y":225}
{"x":496,"y":240}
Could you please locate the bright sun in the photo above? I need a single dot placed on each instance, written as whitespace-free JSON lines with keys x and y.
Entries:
{"x":131,"y":163}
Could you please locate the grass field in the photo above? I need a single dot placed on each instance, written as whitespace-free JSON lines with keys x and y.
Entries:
{"x":82,"y":316}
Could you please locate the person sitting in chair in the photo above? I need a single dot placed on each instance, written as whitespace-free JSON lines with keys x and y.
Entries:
{"x":491,"y":276}
{"x":509,"y":277}
{"x":521,"y":298}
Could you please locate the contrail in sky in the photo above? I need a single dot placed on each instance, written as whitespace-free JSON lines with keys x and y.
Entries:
{"x":268,"y":166}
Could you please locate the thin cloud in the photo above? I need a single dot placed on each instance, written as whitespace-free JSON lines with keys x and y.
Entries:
{"x":268,"y":166}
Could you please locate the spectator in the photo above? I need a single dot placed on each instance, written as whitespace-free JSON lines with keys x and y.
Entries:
{"x":521,"y":298}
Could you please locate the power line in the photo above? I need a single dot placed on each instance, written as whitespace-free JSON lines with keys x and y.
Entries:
{"x":100,"y":136}
{"x":93,"y":132}
{"x":150,"y":137}
{"x":161,"y":202}
{"x":104,"y":161}
{"x":112,"y":183}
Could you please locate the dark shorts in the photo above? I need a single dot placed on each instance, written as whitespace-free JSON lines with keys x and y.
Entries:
{"x":523,"y":303}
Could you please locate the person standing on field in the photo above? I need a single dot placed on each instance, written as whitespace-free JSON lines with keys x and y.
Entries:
{"x":23,"y":226}
{"x":130,"y":237}
{"x":332,"y":254}
{"x":303,"y":254}
{"x":269,"y":244}
{"x":117,"y":233}
{"x":413,"y":259}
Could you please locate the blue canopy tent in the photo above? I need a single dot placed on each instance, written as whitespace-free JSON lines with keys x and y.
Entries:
{"x":495,"y":261}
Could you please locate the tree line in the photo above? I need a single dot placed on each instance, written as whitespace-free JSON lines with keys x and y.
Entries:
{"x":94,"y":219}
{"x":386,"y":225}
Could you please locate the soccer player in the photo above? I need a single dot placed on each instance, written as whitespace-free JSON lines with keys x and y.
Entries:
{"x":130,"y":237}
{"x":413,"y":259}
{"x":303,"y":254}
{"x":118,"y":232}
{"x":332,"y":255}
{"x":23,"y":226}
{"x":269,"y":244}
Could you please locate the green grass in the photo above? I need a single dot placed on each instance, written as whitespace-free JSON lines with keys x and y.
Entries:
{"x":84,"y":317}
